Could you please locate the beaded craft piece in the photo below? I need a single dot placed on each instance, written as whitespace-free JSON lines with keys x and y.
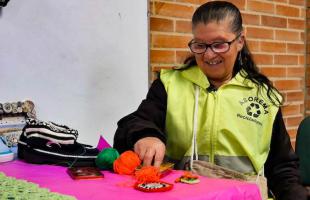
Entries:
{"x":154,"y":186}
{"x":188,"y":178}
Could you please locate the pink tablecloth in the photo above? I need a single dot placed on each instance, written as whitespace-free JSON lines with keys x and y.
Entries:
{"x":114,"y":186}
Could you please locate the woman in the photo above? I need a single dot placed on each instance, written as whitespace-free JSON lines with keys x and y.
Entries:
{"x":218,"y":108}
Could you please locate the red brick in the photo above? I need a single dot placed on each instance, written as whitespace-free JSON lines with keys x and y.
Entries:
{"x":308,"y":106}
{"x":253,"y":45}
{"x":297,"y":2}
{"x":284,"y":100}
{"x":308,"y":38}
{"x":239,"y":3}
{"x":308,"y":57}
{"x":151,"y":8}
{"x":308,"y":47}
{"x":159,"y":24}
{"x":304,"y":82}
{"x":308,"y":84}
{"x":160,"y":56}
{"x":287,"y":35}
{"x":308,"y":23}
{"x":302,"y":108}
{"x":308,"y":71}
{"x":183,"y":26}
{"x":296,"y":48}
{"x":273,"y":71}
{"x":181,"y":56}
{"x":296,"y":24}
{"x":287,"y":11}
{"x":292,"y":133}
{"x":287,"y":84}
{"x":291,"y":109}
{"x":198,"y":2}
{"x":263,"y":59}
{"x":173,"y":10}
{"x":296,"y":72}
{"x":278,"y":22}
{"x":156,"y":68}
{"x":302,"y":36}
{"x":301,"y":60}
{"x":294,"y":121}
{"x":308,"y":12}
{"x":203,"y":1}
{"x":302,"y":13}
{"x":295,"y":96}
{"x":261,"y":33}
{"x":285,"y":59}
{"x":170,"y":41}
{"x":282,"y":1}
{"x":260,"y":6}
{"x":273,"y":47}
{"x":250,"y":19}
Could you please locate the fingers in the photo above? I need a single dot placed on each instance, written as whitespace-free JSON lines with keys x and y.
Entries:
{"x":159,"y":156}
{"x":140,"y":150}
{"x":150,"y":149}
{"x":148,"y":157}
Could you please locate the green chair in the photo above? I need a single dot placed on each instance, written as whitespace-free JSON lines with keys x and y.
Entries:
{"x":303,"y":149}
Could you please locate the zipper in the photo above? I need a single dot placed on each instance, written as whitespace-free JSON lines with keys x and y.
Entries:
{"x":212,"y":134}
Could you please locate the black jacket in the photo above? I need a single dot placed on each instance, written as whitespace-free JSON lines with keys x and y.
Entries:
{"x":281,"y":167}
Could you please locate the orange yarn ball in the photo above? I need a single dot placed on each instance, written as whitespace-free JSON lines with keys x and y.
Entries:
{"x":127,"y":162}
{"x":148,"y":174}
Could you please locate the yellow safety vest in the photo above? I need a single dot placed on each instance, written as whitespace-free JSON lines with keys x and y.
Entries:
{"x":233,"y":125}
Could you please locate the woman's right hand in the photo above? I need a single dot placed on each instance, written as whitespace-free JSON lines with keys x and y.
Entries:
{"x":149,"y":149}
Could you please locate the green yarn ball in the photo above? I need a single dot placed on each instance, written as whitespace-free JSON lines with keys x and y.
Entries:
{"x":106,"y":158}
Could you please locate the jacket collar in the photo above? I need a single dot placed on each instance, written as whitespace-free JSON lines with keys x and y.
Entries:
{"x":240,"y":80}
{"x":195,"y":75}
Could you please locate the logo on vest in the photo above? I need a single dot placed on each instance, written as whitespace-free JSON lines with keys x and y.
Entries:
{"x":254,"y":107}
{"x":253,"y":110}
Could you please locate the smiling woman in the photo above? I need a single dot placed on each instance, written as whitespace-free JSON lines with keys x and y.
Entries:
{"x":217,"y":63}
{"x":219,"y":108}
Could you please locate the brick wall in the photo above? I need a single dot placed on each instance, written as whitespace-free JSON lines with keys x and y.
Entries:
{"x":275,"y":32}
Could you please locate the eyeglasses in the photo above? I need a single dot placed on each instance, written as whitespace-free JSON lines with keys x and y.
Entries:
{"x":216,"y":47}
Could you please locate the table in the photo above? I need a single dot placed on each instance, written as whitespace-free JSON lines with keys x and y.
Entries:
{"x":119,"y":187}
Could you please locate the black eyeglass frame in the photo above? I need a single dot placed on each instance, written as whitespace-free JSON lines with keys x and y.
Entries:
{"x":212,"y":44}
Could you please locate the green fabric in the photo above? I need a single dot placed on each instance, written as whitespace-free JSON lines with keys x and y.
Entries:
{"x":11,"y":188}
{"x":235,"y":120}
{"x":302,"y":149}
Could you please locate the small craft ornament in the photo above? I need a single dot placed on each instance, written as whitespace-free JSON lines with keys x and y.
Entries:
{"x":147,"y":174}
{"x":148,"y":180}
{"x":188,"y":178}
{"x":153,"y":186}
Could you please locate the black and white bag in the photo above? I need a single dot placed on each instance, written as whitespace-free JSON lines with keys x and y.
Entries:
{"x":50,"y":143}
{"x":51,"y":131}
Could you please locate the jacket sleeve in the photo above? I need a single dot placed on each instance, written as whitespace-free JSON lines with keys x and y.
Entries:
{"x":281,"y":167}
{"x":147,"y":120}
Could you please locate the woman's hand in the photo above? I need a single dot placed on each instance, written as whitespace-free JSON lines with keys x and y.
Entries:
{"x":149,"y":149}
